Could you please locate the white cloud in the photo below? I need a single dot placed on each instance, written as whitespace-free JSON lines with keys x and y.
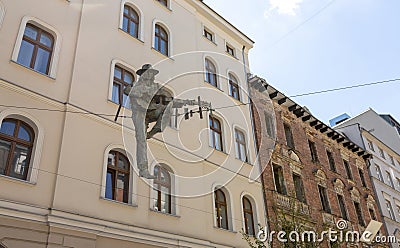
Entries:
{"x":285,"y":7}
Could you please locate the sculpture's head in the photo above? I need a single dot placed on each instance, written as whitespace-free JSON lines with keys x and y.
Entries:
{"x":147,"y":72}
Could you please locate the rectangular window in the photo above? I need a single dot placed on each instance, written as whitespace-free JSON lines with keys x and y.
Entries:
{"x":215,"y":134}
{"x":230,"y":50}
{"x":359,"y":213}
{"x":313,"y":150}
{"x":209,"y":35}
{"x":324,"y":199}
{"x":342,"y":207}
{"x":163,"y":2}
{"x":398,"y":182}
{"x":378,"y":173}
{"x":279,"y":180}
{"x":269,"y":124}
{"x":331,"y":160}
{"x":348,"y":170}
{"x":382,"y":153}
{"x":362,"y":178}
{"x":390,"y":209}
{"x":240,"y":146}
{"x":370,"y":145}
{"x":288,"y":135}
{"x":299,"y":188}
{"x":389,"y":178}
{"x":391,"y":159}
{"x":372,"y":213}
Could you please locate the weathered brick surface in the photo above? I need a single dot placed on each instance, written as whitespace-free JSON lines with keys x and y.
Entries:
{"x":302,"y":131}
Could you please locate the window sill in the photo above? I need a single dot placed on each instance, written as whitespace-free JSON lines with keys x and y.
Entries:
{"x":226,"y":230}
{"x":161,"y":54}
{"x":219,"y":151}
{"x":166,"y":214}
{"x":17,"y":180}
{"x":118,"y":202}
{"x":213,"y":87}
{"x":232,"y":56}
{"x":167,"y":8}
{"x":211,"y":41}
{"x":38,"y":72}
{"x":244,"y":162}
{"x":132,"y":37}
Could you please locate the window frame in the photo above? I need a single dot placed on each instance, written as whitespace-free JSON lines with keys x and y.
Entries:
{"x":359,"y":214}
{"x":158,"y":39}
{"x":121,"y":83}
{"x":331,"y":161}
{"x":213,"y":130}
{"x":289,"y":136}
{"x":390,"y":179}
{"x":248,"y":212}
{"x":115,"y":171}
{"x":130,"y":19}
{"x":207,"y":32}
{"x":217,"y":211}
{"x":229,"y":49}
{"x":342,"y":206}
{"x":158,"y":184}
{"x":164,"y":3}
{"x":211,"y":72}
{"x":302,"y":197}
{"x":324,"y":199}
{"x":346,"y":165}
{"x":241,"y":143}
{"x":389,"y":208}
{"x":52,"y":72}
{"x":279,"y":180}
{"x":362,"y":177}
{"x":313,"y":151}
{"x":234,"y":85}
{"x":14,"y":142}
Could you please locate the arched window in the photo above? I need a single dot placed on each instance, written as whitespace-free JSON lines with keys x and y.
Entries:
{"x":211,"y":73}
{"x":117,"y":178}
{"x":248,"y":216}
{"x":122,"y":79}
{"x":240,"y":145}
{"x":162,"y":190}
{"x":130,"y":23}
{"x":36,"y":49}
{"x":161,"y":40}
{"x":221,"y":209}
{"x":215,"y":133}
{"x":234,"y":87}
{"x":16,"y":143}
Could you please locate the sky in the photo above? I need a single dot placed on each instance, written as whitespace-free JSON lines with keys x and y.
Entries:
{"x":310,"y":45}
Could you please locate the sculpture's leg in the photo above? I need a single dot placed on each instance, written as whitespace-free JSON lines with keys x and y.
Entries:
{"x":141,"y":143}
{"x":164,"y":117}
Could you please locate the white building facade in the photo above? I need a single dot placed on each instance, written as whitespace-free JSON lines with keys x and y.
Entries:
{"x":370,"y":131}
{"x":67,"y":169}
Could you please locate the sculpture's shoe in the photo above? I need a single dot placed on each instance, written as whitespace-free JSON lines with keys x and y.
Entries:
{"x":146,"y":174}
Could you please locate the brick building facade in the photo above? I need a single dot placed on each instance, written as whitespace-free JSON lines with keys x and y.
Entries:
{"x":313,"y":169}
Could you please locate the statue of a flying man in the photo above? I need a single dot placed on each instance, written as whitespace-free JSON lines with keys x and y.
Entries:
{"x":151,"y":102}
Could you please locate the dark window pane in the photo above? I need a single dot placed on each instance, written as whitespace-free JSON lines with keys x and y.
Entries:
{"x":250,"y":224}
{"x":31,"y":32}
{"x":20,"y":162}
{"x":115,"y":93}
{"x":109,"y":186}
{"x":121,"y":187}
{"x":4,"y":152}
{"x":25,"y":53}
{"x":42,"y":60}
{"x":117,"y":72}
{"x":24,"y":134}
{"x":46,"y":40}
{"x":7,"y":127}
{"x":125,"y":24}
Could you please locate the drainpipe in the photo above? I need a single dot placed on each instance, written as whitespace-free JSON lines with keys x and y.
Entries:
{"x":257,"y":161}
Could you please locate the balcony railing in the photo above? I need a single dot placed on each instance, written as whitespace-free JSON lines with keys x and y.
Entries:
{"x":288,"y":203}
